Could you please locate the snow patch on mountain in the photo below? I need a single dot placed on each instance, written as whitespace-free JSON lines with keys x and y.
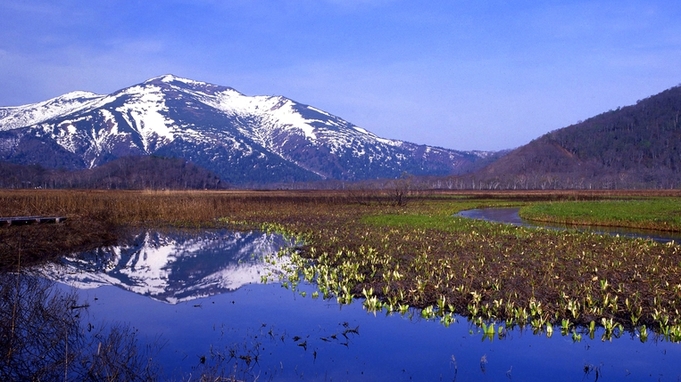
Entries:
{"x":145,"y":113}
{"x":273,"y":113}
{"x":283,"y":116}
{"x":26,"y":115}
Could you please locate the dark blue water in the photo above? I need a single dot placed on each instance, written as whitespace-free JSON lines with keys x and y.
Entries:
{"x":267,"y":332}
{"x":265,"y":320}
{"x":509,"y":215}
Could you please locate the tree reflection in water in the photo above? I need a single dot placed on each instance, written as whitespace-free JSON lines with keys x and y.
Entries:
{"x":43,"y":336}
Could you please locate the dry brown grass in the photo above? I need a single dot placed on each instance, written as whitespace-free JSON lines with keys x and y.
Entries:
{"x":95,"y":218}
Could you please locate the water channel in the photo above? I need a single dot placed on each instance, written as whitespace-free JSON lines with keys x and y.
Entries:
{"x":198,"y":296}
{"x":510,"y":215}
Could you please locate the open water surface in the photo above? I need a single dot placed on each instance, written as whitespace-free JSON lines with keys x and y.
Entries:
{"x":198,"y":297}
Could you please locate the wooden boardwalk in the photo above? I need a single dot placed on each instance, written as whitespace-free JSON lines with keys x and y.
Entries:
{"x":23,"y":220}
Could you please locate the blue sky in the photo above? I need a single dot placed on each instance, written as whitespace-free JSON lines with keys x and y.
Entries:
{"x":461,"y":74}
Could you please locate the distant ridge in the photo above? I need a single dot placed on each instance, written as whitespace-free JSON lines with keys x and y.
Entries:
{"x":244,"y":140}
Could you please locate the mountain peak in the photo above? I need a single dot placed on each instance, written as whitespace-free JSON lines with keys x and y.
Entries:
{"x":243,"y":139}
{"x":168,"y":78}
{"x":172,"y":82}
{"x":173,"y":79}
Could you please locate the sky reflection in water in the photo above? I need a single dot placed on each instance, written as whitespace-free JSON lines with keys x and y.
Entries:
{"x":275,"y":333}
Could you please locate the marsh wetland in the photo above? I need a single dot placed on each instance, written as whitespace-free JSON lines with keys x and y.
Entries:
{"x":409,"y":290}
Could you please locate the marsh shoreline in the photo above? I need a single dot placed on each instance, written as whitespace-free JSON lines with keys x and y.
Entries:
{"x":397,"y":252}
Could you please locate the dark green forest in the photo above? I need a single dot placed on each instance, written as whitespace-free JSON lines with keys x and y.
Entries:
{"x":134,"y":173}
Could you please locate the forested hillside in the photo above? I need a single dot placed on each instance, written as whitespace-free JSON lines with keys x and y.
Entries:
{"x":637,"y":146}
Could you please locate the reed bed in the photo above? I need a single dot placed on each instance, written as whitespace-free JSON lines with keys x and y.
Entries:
{"x":397,"y":255}
{"x":96,"y":218}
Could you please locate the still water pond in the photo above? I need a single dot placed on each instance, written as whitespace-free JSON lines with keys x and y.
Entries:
{"x":199,"y":297}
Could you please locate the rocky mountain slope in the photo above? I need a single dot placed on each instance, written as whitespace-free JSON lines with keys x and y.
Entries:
{"x":242,"y":139}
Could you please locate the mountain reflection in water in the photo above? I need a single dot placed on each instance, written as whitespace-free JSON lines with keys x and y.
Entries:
{"x":267,"y":332}
{"x":173,"y":266}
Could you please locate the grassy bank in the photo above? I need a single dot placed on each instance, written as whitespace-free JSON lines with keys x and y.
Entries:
{"x":396,"y":255}
{"x":654,"y":213}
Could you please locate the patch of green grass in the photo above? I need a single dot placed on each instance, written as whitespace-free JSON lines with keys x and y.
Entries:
{"x":655,"y":213}
{"x":435,"y":215}
{"x":446,"y":223}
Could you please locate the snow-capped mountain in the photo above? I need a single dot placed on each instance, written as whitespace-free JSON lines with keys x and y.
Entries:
{"x":242,"y":139}
{"x":174,"y":266}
